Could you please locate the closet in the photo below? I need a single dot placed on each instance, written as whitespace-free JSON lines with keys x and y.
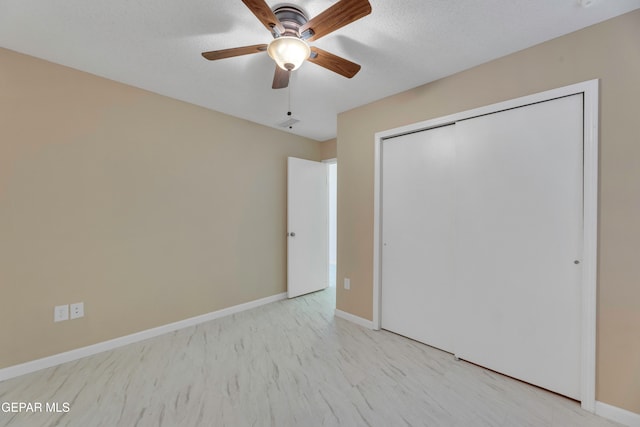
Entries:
{"x":481,"y":228}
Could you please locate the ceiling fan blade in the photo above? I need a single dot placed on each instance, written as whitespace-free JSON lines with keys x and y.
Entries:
{"x":264,"y":13}
{"x":280,"y":78}
{"x":236,"y":51}
{"x":337,"y":16}
{"x":333,"y":62}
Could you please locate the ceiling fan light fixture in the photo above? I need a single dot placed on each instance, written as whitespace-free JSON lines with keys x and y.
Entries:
{"x":288,"y":52}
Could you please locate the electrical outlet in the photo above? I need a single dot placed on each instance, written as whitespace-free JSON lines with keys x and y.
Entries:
{"x":347,"y":283}
{"x":60,"y":313}
{"x":77,"y":310}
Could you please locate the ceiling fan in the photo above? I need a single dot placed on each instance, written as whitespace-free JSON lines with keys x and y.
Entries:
{"x":291,"y":29}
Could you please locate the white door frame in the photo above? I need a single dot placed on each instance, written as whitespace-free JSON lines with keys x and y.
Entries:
{"x":590,"y":213}
{"x":332,"y":161}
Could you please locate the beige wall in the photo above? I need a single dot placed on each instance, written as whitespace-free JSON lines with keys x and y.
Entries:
{"x":608,"y":51}
{"x":329,"y":149}
{"x":148,"y":209}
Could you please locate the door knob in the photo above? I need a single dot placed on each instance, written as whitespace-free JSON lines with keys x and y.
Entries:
{"x":292,"y":234}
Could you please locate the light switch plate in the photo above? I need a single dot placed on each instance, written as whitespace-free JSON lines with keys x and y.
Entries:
{"x":60,"y":313}
{"x":347,"y":283}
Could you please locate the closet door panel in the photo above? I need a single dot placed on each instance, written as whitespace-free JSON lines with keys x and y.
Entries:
{"x":417,"y":229}
{"x":519,"y":226}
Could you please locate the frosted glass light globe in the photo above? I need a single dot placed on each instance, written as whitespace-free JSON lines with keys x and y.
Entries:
{"x":288,"y":52}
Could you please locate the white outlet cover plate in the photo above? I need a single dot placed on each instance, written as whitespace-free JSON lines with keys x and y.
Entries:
{"x":77,"y":310}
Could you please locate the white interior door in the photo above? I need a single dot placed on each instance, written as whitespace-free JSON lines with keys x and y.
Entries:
{"x":417,"y":230}
{"x":307,"y":225}
{"x":519,"y":242}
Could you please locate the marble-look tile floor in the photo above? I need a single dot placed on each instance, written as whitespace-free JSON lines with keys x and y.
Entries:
{"x":290,"y":363}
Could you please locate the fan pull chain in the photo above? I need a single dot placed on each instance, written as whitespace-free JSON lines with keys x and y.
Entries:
{"x":289,"y":96}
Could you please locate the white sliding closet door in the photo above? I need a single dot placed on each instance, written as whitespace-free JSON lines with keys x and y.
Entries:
{"x":417,"y":225}
{"x":518,"y":242}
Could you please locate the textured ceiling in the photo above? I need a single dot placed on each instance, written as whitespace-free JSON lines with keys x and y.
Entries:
{"x":156,"y":45}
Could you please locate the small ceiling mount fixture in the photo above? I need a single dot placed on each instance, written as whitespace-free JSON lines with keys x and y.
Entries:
{"x":291,"y":30}
{"x":288,"y":123}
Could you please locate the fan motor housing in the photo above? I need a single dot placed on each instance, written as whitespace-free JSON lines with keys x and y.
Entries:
{"x":291,"y":18}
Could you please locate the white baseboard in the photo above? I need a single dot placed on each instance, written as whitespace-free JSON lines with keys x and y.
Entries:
{"x":619,"y":415}
{"x":79,"y":353}
{"x":355,"y":319}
